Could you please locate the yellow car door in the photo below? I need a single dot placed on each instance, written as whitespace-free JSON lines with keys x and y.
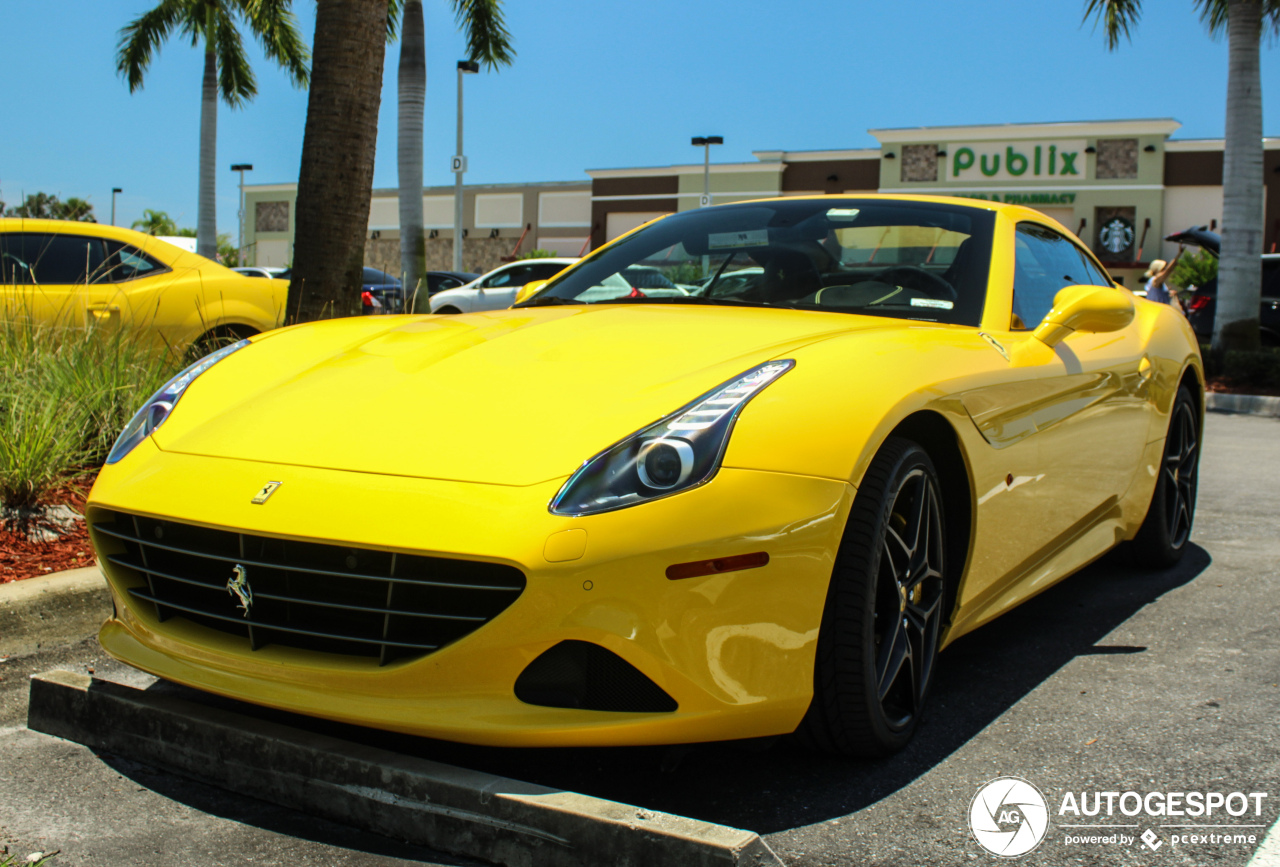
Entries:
{"x":46,"y":275}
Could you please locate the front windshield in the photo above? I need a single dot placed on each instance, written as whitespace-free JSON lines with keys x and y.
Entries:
{"x":879,"y":257}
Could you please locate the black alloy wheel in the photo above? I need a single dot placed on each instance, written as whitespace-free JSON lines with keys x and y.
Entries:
{"x":878,"y":641}
{"x":908,"y":599}
{"x":1166,"y":529}
{"x":1179,"y":470}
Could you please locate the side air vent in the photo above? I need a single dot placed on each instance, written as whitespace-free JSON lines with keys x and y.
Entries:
{"x":585,"y":676}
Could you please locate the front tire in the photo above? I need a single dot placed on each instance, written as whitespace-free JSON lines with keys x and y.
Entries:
{"x":883,"y":616}
{"x":1163,"y":537}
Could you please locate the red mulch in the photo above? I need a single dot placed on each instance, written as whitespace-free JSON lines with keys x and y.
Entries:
{"x":1225,"y":385}
{"x":21,"y":558}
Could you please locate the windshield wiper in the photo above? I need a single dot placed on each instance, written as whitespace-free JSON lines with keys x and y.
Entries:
{"x":686,"y":299}
{"x":547,"y":301}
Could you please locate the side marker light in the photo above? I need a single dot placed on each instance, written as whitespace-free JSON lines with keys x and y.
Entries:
{"x":736,"y":563}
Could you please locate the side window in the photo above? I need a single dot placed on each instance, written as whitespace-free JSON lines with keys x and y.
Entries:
{"x":15,"y":270}
{"x":50,"y":259}
{"x":124,"y":262}
{"x":546,"y":271}
{"x":517,"y":275}
{"x":1044,"y":263}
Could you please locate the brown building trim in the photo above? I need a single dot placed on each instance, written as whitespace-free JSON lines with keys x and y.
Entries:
{"x":1193,"y":169}
{"x":651,"y":185}
{"x":600,"y":212}
{"x":849,"y":175}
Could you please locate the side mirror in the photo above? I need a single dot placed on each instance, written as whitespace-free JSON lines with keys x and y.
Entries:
{"x":1084,"y":308}
{"x":528,"y":290}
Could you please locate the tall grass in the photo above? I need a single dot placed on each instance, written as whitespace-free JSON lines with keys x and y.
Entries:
{"x":65,"y":394}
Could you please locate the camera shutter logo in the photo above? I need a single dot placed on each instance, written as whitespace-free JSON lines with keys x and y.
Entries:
{"x":1008,"y":817}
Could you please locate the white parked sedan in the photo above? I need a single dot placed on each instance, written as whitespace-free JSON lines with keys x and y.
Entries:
{"x":497,"y":289}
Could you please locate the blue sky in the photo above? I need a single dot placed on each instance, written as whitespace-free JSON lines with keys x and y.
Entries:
{"x":602,"y":85}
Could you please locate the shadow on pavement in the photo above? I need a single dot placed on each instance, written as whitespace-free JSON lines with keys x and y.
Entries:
{"x":774,"y":786}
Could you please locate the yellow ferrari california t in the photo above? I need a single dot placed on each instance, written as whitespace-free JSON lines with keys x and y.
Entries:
{"x":65,"y":273}
{"x":760,"y":504}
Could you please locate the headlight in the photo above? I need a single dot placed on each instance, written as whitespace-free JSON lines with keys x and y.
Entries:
{"x":674,"y":454}
{"x":160,"y":404}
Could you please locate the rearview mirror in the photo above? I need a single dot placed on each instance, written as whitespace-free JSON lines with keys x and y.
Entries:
{"x":528,"y":290}
{"x":1084,"y":308}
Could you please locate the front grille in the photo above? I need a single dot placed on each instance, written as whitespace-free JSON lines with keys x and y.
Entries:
{"x":327,"y":598}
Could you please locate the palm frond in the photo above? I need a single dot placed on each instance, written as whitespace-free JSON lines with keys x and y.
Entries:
{"x":140,"y":39}
{"x":276,"y":29}
{"x":394,"y":8}
{"x":1117,"y":17}
{"x":1215,"y":13}
{"x":236,"y":82}
{"x":487,"y":38}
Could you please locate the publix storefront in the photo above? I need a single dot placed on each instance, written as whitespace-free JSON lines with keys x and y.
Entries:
{"x":1120,"y":185}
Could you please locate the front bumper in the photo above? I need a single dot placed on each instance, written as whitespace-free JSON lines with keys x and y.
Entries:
{"x":735,"y":650}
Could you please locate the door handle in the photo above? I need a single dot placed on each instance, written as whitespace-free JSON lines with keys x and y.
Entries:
{"x":103,"y":311}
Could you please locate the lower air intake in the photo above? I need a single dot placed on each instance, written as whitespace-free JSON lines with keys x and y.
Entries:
{"x":585,"y":676}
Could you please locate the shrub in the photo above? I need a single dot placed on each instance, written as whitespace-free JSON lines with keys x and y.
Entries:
{"x":1260,"y":368}
{"x":1195,"y":268}
{"x":538,"y":253}
{"x":65,"y":394}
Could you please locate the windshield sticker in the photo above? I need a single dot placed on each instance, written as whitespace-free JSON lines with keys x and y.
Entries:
{"x":736,"y":240}
{"x":932,"y":302}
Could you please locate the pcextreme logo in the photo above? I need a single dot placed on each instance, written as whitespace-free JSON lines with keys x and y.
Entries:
{"x":1009,"y":817}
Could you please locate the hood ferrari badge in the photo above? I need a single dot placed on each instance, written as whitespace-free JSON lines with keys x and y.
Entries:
{"x":238,"y":586}
{"x":267,"y":490}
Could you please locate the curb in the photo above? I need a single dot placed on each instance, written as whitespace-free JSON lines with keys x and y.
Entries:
{"x":447,"y":808}
{"x":1244,"y":404}
{"x":52,"y":609}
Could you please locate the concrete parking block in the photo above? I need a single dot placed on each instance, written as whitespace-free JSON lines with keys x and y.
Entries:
{"x":450,"y":809}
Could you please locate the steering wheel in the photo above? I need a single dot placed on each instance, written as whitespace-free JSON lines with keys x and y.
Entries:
{"x":918,"y":278}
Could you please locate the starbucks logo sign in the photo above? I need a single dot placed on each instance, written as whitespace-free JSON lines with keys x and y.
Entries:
{"x":1116,"y":234}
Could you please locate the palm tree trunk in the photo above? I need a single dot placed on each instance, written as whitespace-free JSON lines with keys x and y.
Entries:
{"x":1240,"y":270}
{"x":412,"y":96}
{"x":207,"y":222}
{"x":336,"y":178}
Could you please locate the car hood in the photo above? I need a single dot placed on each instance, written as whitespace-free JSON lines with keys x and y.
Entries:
{"x":512,"y":397}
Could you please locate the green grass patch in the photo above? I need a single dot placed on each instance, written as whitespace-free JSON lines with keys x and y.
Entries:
{"x":65,"y":394}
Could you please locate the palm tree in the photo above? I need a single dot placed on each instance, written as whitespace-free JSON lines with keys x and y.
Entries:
{"x":335,"y":181}
{"x":156,"y":223}
{"x":226,"y":69}
{"x":488,"y":42}
{"x":1240,"y":271}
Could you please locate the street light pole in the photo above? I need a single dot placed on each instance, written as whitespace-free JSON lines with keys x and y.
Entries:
{"x":705,"y":142}
{"x":114,"y":192}
{"x":241,"y":168}
{"x":460,"y":168}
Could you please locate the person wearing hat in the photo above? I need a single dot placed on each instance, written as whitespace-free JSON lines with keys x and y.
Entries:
{"x":1157,"y":277}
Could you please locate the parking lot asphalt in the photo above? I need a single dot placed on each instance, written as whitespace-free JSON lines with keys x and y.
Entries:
{"x":1117,"y":679}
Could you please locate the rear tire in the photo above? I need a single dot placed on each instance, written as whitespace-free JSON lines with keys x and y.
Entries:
{"x":1166,"y":530}
{"x":448,"y":310}
{"x":878,"y":639}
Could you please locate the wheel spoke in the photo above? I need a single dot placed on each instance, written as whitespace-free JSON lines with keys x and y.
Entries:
{"x":892,"y":655}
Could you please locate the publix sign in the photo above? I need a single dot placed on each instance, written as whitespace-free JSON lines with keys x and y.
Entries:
{"x":1019,"y":161}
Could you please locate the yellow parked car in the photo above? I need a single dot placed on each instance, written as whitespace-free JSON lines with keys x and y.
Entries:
{"x":638,"y":519}
{"x":72,"y":273}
